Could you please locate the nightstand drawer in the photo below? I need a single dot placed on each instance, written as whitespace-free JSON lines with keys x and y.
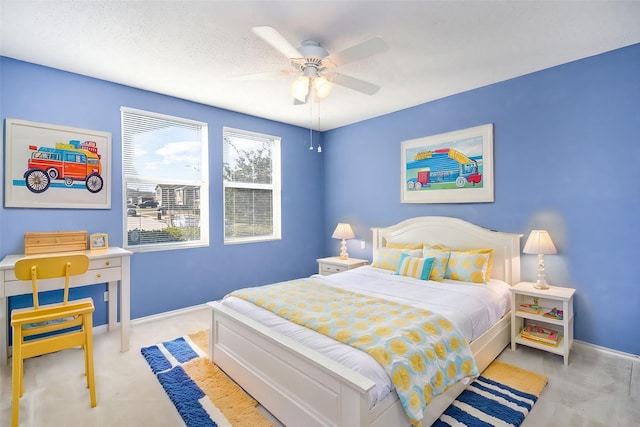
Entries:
{"x":334,"y":264}
{"x":326,"y":269}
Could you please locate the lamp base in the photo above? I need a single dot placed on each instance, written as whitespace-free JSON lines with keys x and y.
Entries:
{"x":343,"y":250}
{"x":543,"y":285}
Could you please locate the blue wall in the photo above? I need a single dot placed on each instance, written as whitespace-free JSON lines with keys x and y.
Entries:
{"x":566,"y":159}
{"x":566,"y":148}
{"x":167,"y":280}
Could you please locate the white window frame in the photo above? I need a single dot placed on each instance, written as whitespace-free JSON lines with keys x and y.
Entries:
{"x":202,"y":183}
{"x":275,"y":187}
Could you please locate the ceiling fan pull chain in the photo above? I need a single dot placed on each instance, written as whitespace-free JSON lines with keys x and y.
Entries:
{"x":319,"y":146}
{"x":310,"y":127}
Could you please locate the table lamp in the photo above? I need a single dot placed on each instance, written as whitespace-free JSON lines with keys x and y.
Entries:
{"x":540,"y":243}
{"x":343,"y":231}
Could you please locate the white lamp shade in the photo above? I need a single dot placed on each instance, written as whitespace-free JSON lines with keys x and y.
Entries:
{"x":343,"y":231}
{"x":539,"y":242}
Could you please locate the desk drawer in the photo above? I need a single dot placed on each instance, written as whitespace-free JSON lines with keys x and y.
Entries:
{"x":102,"y":275}
{"x":96,"y":264}
{"x":13,"y":286}
{"x":105,"y":263}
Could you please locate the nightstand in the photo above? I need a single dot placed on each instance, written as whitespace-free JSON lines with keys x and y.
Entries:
{"x":334,"y":264}
{"x":548,"y":299}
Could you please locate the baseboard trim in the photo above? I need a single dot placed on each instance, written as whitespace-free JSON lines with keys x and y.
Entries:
{"x":606,"y":349}
{"x":167,"y":314}
{"x":104,"y":328}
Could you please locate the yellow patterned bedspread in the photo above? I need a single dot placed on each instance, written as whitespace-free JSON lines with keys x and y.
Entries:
{"x":422,"y":352}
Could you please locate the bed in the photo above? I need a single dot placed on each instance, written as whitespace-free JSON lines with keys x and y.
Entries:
{"x":301,"y":385}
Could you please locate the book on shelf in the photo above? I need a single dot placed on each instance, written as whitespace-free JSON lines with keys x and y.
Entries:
{"x":540,"y":334}
{"x":530,"y":308}
{"x":554,"y":313}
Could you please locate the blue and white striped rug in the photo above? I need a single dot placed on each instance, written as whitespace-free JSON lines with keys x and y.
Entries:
{"x":201,"y":393}
{"x":488,"y":402}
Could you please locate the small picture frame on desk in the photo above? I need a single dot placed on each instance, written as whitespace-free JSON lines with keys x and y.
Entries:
{"x":98,"y":241}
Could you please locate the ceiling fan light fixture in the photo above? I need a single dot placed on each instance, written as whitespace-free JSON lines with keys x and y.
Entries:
{"x":300,"y":88}
{"x":322,"y":87}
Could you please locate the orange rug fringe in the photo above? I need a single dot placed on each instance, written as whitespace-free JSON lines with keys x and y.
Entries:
{"x":515,"y":377}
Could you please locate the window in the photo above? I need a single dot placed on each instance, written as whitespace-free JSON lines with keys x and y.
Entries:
{"x":251,"y":186}
{"x":165,"y":181}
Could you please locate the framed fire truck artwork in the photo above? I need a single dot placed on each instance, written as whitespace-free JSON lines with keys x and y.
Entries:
{"x":453,"y":167}
{"x":51,"y":166}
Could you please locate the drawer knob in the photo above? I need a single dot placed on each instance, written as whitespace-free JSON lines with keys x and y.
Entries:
{"x":99,"y":275}
{"x":107,"y":263}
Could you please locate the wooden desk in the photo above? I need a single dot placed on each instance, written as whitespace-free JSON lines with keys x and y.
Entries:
{"x":110,"y":266}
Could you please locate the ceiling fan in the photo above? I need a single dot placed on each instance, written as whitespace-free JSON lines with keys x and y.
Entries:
{"x":315,"y":66}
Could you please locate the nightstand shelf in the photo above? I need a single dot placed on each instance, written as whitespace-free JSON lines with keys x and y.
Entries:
{"x":332,"y":265}
{"x":555,"y":297}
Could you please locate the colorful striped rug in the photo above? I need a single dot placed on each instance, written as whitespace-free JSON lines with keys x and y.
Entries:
{"x":502,"y":396}
{"x":205,"y":397}
{"x":202,"y":394}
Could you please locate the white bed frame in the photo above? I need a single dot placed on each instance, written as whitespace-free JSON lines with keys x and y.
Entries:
{"x":302,"y":387}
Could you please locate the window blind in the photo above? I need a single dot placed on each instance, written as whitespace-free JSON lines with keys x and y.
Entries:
{"x":251,"y":186}
{"x":165,"y":176}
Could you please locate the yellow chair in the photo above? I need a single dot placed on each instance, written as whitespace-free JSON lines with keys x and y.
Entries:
{"x":54,"y":320}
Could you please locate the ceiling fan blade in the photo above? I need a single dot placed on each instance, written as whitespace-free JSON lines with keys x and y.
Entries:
{"x":354,"y":53}
{"x":353,"y":83}
{"x":275,"y":39}
{"x":265,"y":75}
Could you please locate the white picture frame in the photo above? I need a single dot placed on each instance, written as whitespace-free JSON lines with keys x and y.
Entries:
{"x":98,"y":241}
{"x":52,"y":166}
{"x":452,"y":167}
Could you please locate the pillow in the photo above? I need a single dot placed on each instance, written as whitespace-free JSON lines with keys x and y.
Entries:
{"x":411,"y":266}
{"x":389,"y":258}
{"x":404,"y":245}
{"x":441,"y":259}
{"x":470,"y":266}
{"x":487,"y":275}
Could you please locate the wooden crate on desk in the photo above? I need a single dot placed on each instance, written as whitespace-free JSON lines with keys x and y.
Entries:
{"x":55,"y":241}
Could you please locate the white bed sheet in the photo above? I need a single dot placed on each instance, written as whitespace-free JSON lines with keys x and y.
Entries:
{"x":473,"y":308}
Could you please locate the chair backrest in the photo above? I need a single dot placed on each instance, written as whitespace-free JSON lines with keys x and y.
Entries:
{"x":51,"y":267}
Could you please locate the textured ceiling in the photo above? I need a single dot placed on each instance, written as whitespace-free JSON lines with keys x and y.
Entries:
{"x":193,"y":49}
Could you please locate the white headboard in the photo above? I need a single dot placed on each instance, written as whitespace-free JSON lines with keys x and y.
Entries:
{"x":457,"y":234}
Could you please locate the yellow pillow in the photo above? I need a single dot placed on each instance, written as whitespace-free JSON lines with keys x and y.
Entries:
{"x":389,"y":258}
{"x":440,"y":254}
{"x":487,"y":275}
{"x":470,"y":265}
{"x":404,"y":245}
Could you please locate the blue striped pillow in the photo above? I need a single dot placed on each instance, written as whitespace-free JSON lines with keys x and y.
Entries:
{"x":411,"y":266}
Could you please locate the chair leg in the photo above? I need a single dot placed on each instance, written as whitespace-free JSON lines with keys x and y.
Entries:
{"x":88,"y":354}
{"x":86,"y":363}
{"x":17,"y":371}
{"x":21,"y":376}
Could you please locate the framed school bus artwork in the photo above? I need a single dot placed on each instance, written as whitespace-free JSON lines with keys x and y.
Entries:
{"x":453,"y":167}
{"x":52,"y":166}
